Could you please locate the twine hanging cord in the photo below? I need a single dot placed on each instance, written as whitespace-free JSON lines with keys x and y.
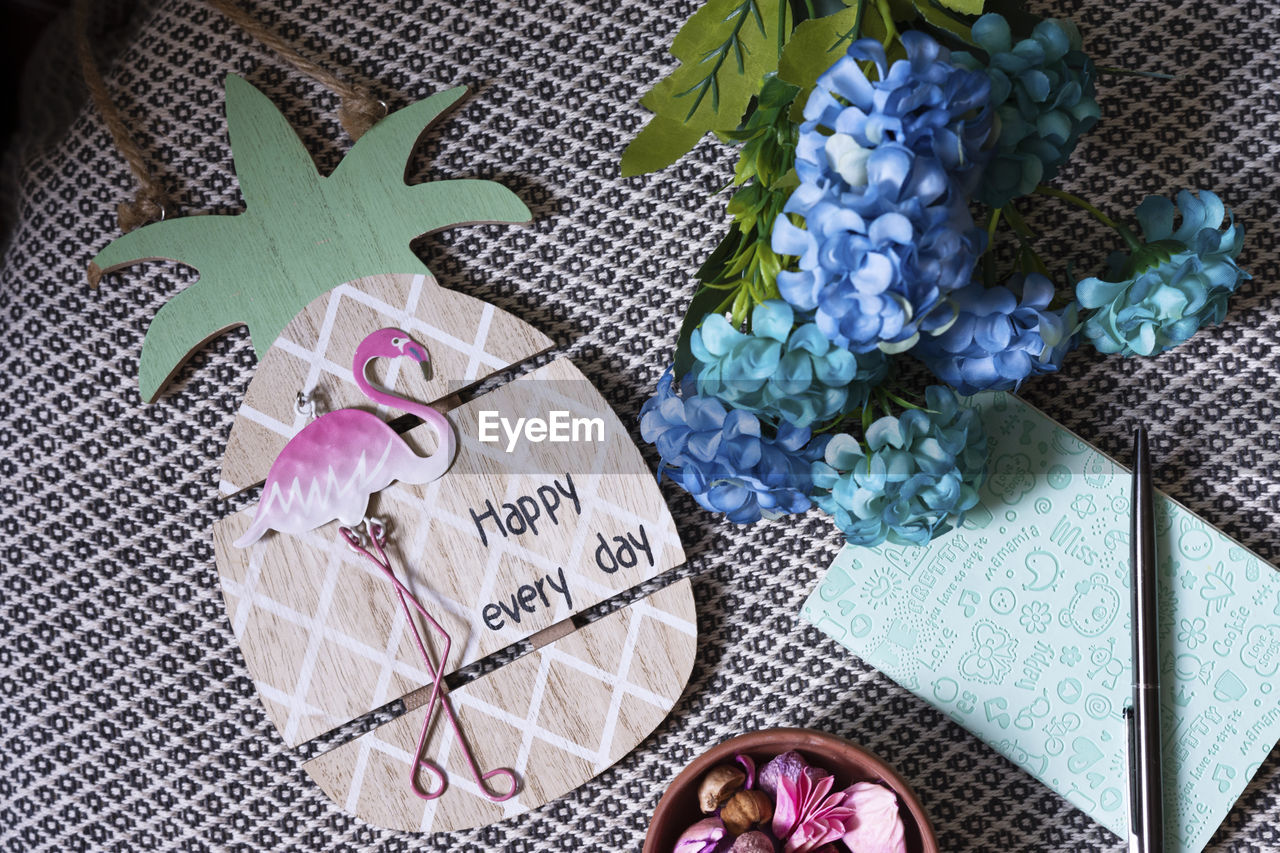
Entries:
{"x":149,"y":201}
{"x":357,"y":112}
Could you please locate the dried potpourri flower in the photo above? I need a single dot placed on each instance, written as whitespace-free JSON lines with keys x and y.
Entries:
{"x":705,"y":836}
{"x":753,"y":842}
{"x":878,"y":829}
{"x":789,"y":763}
{"x":807,"y":814}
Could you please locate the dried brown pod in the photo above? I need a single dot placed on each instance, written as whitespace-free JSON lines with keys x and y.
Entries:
{"x":720,"y":783}
{"x":745,"y":810}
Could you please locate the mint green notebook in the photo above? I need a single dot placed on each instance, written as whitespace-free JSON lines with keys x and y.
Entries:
{"x":1017,"y":626}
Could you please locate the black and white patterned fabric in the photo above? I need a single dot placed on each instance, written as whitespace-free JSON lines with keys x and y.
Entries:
{"x":127,"y":718}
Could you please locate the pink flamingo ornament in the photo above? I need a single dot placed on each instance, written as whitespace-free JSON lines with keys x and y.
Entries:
{"x":329,"y":470}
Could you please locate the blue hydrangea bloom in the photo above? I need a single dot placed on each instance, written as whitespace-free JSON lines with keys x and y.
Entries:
{"x":925,"y":103}
{"x":1042,"y":89}
{"x":782,"y":371}
{"x":1168,"y":288}
{"x":1001,"y":336}
{"x":887,"y":230}
{"x":915,"y":474}
{"x":722,"y":457}
{"x":875,"y":261}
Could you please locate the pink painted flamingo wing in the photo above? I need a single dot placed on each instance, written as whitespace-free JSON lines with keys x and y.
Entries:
{"x":328,"y":471}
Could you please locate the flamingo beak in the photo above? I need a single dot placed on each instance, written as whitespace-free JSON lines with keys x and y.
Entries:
{"x":419,"y":355}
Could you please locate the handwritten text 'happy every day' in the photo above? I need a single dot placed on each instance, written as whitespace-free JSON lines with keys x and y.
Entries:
{"x":549,"y":506}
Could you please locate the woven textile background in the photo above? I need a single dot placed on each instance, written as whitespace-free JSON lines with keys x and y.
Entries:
{"x":127,"y":718}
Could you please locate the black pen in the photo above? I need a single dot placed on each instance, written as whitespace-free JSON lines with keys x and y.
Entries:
{"x":1146,"y":797}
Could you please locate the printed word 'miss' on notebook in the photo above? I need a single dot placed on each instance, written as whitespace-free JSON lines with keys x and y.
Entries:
{"x":1017,"y":626}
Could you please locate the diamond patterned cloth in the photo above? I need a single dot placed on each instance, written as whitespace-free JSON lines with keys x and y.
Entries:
{"x":127,"y":717}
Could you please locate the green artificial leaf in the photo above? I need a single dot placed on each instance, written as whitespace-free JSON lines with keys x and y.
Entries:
{"x":662,"y":142}
{"x":713,"y":267}
{"x":944,"y":20}
{"x":906,"y":404}
{"x":745,"y":206}
{"x":704,"y":302}
{"x":775,"y":95}
{"x":1148,"y":255}
{"x":903,"y":12}
{"x":822,"y":8}
{"x":816,"y":45}
{"x":743,"y":268}
{"x":725,"y":49}
{"x":741,"y":305}
{"x":964,"y":7}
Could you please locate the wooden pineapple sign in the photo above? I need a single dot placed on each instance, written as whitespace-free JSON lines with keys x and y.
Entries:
{"x":506,"y":547}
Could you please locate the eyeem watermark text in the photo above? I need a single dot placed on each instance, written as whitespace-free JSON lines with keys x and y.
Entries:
{"x":558,"y":427}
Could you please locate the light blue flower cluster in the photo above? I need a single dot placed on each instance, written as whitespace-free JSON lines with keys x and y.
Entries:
{"x":1166,"y":289}
{"x":723,"y":458}
{"x":916,"y":472}
{"x":1042,"y":90}
{"x":882,"y":166}
{"x":782,"y":370}
{"x":999,"y":339}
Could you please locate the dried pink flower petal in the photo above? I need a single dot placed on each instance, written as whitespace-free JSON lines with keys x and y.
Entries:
{"x":877,"y":826}
{"x":749,"y":767}
{"x":705,"y":836}
{"x":807,"y":815}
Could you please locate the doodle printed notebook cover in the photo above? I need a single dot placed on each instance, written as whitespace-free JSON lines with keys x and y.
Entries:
{"x":1017,"y":626}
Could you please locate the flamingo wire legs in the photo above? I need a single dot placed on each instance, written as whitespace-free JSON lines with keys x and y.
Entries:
{"x":377,"y":534}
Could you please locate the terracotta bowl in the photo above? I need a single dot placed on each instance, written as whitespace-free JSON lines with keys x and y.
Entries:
{"x":678,"y":808}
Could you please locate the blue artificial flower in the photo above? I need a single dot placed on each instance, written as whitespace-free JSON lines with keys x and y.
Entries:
{"x":1172,"y":285}
{"x":1042,"y":90}
{"x":781,"y":370}
{"x":925,"y":103}
{"x":876,"y":261}
{"x":998,"y":340}
{"x":916,"y":473}
{"x":722,"y":458}
{"x":887,"y":230}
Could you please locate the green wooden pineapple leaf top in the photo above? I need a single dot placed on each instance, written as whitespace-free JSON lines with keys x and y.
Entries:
{"x":301,"y":233}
